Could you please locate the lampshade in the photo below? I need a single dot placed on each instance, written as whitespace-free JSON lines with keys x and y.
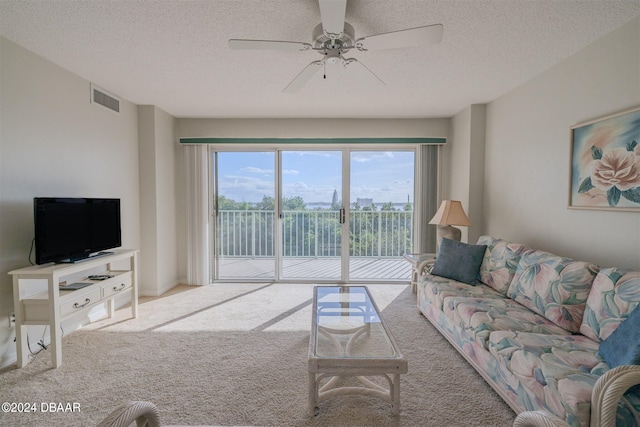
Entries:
{"x":450,"y":212}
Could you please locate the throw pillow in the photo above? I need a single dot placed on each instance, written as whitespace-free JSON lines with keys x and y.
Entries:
{"x":459,"y":261}
{"x":622,"y":347}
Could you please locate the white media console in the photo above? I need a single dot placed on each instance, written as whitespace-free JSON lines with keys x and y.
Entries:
{"x":34,"y":306}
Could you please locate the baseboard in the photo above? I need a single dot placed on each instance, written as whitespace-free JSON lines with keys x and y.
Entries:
{"x":168,"y":287}
{"x":8,"y":359}
{"x":161,"y":290}
{"x":72,"y":324}
{"x":99,"y":313}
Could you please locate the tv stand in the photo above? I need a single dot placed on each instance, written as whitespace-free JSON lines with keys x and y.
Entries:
{"x":33,"y":306}
{"x":84,"y":258}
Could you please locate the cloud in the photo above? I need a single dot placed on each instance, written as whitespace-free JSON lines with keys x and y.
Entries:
{"x":237,"y":187}
{"x":309,"y":192}
{"x":253,"y":169}
{"x":261,"y":171}
{"x":367,"y":156}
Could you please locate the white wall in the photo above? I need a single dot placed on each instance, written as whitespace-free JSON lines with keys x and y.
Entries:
{"x":456,"y":165}
{"x":527,"y":154}
{"x":463,"y":167}
{"x":312,"y":128}
{"x":53,"y":142}
{"x":148,"y":200}
{"x":476,"y":171}
{"x":158,"y":204}
{"x":167,"y":212}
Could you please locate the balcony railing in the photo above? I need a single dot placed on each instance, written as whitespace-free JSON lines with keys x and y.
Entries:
{"x":243,"y":233}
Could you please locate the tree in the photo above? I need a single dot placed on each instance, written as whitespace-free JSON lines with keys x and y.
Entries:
{"x":225,"y":204}
{"x":267,"y":204}
{"x":295,"y":203}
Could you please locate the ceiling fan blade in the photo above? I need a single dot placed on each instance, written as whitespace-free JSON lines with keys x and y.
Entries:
{"x":267,"y":44}
{"x":360,"y":71}
{"x":430,"y":34}
{"x":303,"y":77}
{"x":332,"y":15}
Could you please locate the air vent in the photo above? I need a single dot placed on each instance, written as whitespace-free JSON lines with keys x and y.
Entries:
{"x":101,"y":97}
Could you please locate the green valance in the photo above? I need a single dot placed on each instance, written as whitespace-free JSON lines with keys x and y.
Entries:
{"x":433,"y":141}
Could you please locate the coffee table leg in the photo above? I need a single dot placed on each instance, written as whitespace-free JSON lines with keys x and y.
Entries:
{"x":313,"y":394}
{"x":395,"y":395}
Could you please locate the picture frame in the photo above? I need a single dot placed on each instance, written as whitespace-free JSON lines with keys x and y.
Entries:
{"x":605,"y":163}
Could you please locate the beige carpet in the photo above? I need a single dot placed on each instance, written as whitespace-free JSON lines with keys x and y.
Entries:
{"x":236,"y":354}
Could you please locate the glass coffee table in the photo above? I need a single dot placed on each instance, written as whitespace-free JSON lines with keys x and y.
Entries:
{"x":349,"y":338}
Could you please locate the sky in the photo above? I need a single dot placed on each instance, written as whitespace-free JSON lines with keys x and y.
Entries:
{"x":383,"y":176}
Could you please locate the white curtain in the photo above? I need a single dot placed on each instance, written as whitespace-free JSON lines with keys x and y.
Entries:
{"x":197,"y":214}
{"x":428,"y":187}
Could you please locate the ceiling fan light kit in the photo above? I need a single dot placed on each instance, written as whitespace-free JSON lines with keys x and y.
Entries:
{"x":334,"y":37}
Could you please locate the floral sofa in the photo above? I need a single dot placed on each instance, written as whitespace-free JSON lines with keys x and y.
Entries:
{"x":532,"y":323}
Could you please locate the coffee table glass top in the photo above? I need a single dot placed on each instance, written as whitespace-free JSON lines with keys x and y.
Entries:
{"x":347,"y":324}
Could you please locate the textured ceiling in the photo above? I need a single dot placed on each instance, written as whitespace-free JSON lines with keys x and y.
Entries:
{"x":174,"y":54}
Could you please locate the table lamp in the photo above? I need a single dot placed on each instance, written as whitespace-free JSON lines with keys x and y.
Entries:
{"x":449,"y":213}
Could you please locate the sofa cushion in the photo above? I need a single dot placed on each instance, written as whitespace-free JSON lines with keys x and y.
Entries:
{"x":458,"y":261}
{"x":500,"y":262}
{"x":480,"y":317}
{"x":622,"y":347}
{"x":438,"y":288}
{"x":553,"y":286}
{"x":558,"y":372}
{"x":614,"y":294}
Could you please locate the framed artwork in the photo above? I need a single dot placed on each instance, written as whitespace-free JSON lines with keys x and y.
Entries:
{"x":605,"y":163}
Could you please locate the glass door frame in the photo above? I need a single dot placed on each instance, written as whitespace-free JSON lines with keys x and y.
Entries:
{"x":280,"y":199}
{"x":415,"y":150}
{"x":278,"y":148}
{"x":213,"y":231}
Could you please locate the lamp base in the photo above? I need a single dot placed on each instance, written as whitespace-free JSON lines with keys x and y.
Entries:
{"x":448,"y":232}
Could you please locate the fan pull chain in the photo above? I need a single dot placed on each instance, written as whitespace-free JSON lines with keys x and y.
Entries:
{"x":324,"y":66}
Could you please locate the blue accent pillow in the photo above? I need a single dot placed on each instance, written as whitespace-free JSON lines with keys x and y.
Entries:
{"x":459,"y":261}
{"x":622,"y":347}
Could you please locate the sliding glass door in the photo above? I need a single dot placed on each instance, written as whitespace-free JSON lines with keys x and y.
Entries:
{"x":334,"y":215}
{"x":245,"y":216}
{"x":311,"y":223}
{"x":381,"y":206}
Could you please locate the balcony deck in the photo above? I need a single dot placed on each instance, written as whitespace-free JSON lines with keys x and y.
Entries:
{"x":315,"y":268}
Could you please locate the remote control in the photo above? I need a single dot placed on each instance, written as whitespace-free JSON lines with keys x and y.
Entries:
{"x":100,"y":276}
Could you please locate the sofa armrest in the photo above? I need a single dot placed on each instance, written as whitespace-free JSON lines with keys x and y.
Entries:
{"x":538,"y":419}
{"x":425,"y":266}
{"x":609,"y":390}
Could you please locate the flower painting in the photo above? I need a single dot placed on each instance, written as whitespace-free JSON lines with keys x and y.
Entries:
{"x":605,"y":163}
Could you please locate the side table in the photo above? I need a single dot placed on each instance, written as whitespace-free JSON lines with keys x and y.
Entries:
{"x":418,"y":263}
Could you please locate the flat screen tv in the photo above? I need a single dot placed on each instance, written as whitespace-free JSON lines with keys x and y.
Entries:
{"x":75,"y":229}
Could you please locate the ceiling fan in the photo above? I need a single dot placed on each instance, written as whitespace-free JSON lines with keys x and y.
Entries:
{"x":334,"y":37}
